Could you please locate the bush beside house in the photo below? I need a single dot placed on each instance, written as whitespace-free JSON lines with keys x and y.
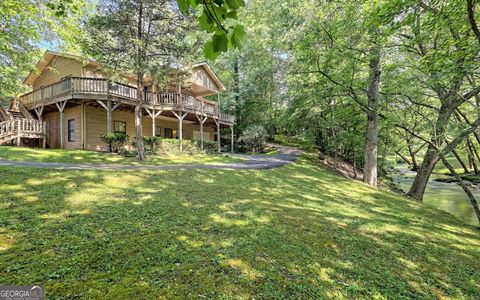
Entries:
{"x":253,"y":139}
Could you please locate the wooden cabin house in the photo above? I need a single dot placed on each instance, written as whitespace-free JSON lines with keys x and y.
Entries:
{"x":72,"y":104}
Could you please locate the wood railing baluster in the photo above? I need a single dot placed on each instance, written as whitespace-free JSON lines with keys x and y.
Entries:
{"x":105,"y":87}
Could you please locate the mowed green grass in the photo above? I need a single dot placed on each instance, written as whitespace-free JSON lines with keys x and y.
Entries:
{"x":94,"y":157}
{"x":294,"y":232}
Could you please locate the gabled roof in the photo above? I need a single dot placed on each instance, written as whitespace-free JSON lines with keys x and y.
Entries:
{"x":47,"y":57}
{"x":212,"y":74}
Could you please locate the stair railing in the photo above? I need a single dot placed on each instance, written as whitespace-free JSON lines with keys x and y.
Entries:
{"x":24,"y":111}
{"x":4,"y":115}
{"x":7,"y":128}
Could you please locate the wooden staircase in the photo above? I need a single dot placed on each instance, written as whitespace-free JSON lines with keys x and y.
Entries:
{"x":15,"y":130}
{"x":17,"y":123}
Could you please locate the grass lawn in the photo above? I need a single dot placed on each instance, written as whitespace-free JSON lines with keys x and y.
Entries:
{"x":84,"y":156}
{"x":294,"y":232}
{"x":294,"y":142}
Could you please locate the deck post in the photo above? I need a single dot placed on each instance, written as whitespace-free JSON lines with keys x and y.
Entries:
{"x":44,"y":130}
{"x":153,"y":121}
{"x":109,"y":108}
{"x":18,"y":132}
{"x":180,"y":133}
{"x":231,"y":139}
{"x":109,"y":116}
{"x":61,"y":108}
{"x":180,"y":116}
{"x":218,"y":136}
{"x":84,"y":124}
{"x":153,"y":115}
{"x":201,"y":120}
{"x":39,"y":112}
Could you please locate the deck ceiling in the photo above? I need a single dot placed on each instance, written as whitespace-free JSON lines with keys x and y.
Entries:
{"x":165,"y":115}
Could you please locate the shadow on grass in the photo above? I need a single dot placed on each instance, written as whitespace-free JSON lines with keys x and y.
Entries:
{"x":95,"y":157}
{"x":294,"y":232}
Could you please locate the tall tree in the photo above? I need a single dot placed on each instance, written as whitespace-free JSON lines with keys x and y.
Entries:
{"x":24,"y":26}
{"x":139,"y":37}
{"x":349,"y":62}
{"x":443,"y":53}
{"x":370,"y":172}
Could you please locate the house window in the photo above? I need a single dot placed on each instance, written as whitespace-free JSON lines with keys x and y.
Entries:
{"x":158,"y":131}
{"x":120,"y":127}
{"x":168,"y":133}
{"x":71,"y":130}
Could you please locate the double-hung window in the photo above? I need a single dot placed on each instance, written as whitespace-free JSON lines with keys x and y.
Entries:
{"x":71,"y":130}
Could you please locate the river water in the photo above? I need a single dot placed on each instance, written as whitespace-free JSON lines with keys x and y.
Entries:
{"x":445,"y":196}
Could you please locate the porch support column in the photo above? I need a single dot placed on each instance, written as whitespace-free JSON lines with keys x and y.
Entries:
{"x":180,"y":116}
{"x":153,"y":115}
{"x":201,"y":120}
{"x":44,"y":140}
{"x":231,"y":138}
{"x":39,"y":112}
{"x":109,"y":108}
{"x":218,"y":136}
{"x":19,"y":132}
{"x":61,"y":108}
{"x":84,"y":124}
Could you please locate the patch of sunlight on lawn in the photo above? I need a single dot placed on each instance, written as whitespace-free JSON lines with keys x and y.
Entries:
{"x":245,"y":268}
{"x":296,"y":232}
{"x":6,"y":243}
{"x":93,"y":157}
{"x":229,"y":222}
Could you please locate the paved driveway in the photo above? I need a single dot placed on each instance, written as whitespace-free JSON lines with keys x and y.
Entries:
{"x":253,"y":162}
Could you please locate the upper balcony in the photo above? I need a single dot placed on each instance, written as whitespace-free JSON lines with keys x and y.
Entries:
{"x":101,"y":89}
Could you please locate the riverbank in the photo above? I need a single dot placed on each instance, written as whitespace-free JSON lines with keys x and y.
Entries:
{"x":441,"y":193}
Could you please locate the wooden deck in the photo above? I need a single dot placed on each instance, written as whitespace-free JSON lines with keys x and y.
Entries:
{"x":22,"y":128}
{"x":103,"y":89}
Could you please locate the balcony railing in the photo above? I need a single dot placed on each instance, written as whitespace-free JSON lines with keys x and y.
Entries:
{"x":78,"y":86}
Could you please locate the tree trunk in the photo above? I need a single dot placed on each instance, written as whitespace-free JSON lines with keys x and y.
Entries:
{"x":371,"y":141}
{"x":355,"y":175}
{"x":403,"y":157}
{"x":472,"y":199}
{"x":236,"y":90}
{"x":459,"y":159}
{"x":335,"y":151}
{"x":138,"y":121}
{"x":423,"y":174}
{"x":475,"y":152}
{"x":413,"y":156}
{"x":471,"y":156}
{"x":138,"y":107}
{"x":431,"y":156}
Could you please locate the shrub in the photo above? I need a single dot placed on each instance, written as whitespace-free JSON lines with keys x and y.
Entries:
{"x":254,"y":138}
{"x":151,"y":143}
{"x":115,"y":141}
{"x":161,"y":146}
{"x":172,"y":147}
{"x":191,"y":147}
{"x":209,"y":147}
{"x":168,"y":147}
